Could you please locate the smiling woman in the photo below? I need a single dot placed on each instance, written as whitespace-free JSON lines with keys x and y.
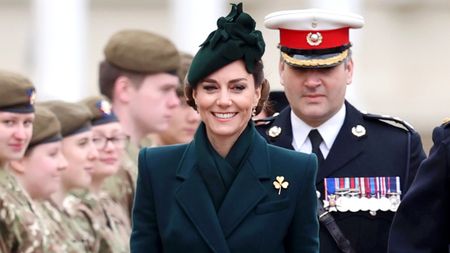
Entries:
{"x":21,"y":229}
{"x":221,"y":192}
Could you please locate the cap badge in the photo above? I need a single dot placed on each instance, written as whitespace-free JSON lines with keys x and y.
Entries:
{"x":31,"y":93}
{"x":274,"y":131}
{"x":358,"y":131}
{"x":314,"y":39}
{"x":104,"y":106}
{"x":279,"y":184}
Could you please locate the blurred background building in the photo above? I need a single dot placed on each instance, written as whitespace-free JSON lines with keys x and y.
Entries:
{"x":400,"y":55}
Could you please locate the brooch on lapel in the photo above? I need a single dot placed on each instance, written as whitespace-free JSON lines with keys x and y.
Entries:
{"x":279,"y":184}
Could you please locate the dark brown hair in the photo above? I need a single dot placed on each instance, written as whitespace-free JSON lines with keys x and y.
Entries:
{"x":260,"y":81}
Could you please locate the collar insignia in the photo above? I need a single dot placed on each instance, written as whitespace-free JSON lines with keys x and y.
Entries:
{"x":274,"y":131}
{"x":358,"y":131}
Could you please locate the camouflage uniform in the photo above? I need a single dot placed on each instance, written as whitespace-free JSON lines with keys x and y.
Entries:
{"x":72,"y":228}
{"x":21,"y":229}
{"x":114,"y":222}
{"x":122,"y":185}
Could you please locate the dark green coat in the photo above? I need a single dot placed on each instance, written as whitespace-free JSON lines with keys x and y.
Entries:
{"x":173,"y":210}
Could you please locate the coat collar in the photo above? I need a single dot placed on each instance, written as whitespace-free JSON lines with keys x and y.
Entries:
{"x":244,"y":194}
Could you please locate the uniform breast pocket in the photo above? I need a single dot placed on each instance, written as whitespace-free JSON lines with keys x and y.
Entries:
{"x":272,"y":206}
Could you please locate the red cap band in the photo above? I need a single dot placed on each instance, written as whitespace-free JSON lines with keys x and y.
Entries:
{"x":310,"y":39}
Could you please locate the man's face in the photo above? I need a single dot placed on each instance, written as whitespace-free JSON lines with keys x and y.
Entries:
{"x":152,"y":103}
{"x":315,"y":95}
{"x":183,"y":125}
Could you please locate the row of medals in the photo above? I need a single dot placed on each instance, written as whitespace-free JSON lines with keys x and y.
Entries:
{"x":345,"y":200}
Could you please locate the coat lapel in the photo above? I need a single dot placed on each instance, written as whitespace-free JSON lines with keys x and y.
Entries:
{"x":346,"y":146}
{"x":284,"y":122}
{"x":247,"y":190}
{"x":194,"y":199}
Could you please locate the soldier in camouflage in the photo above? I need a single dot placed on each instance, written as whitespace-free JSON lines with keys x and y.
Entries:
{"x":20,"y":226}
{"x":110,"y":141}
{"x":139,"y":76}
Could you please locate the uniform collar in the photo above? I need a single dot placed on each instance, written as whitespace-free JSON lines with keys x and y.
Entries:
{"x":328,"y":130}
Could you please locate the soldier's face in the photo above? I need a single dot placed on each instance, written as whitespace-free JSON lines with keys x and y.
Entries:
{"x":43,"y":166}
{"x":182,"y":126}
{"x":152,"y":103}
{"x":110,"y":148}
{"x":315,"y":95}
{"x":225,"y":100}
{"x":80,"y":153}
{"x":15,"y":134}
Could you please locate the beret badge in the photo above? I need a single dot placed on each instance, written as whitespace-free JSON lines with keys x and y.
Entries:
{"x":31,"y":93}
{"x":314,"y":39}
{"x":104,"y":107}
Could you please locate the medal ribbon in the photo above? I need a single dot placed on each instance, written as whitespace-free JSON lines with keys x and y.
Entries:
{"x":372,"y":186}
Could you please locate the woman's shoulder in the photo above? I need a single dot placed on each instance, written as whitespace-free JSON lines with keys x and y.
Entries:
{"x":283,"y":153}
{"x":285,"y":158}
{"x":161,"y":158}
{"x":168,"y":151}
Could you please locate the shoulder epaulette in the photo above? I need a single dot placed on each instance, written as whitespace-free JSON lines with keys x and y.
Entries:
{"x":266,"y":121}
{"x":394,"y":121}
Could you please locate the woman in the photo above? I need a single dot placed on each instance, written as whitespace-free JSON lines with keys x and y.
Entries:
{"x":20,"y":227}
{"x":110,"y":141}
{"x":228,"y":190}
{"x":68,"y":216}
{"x":39,"y":173}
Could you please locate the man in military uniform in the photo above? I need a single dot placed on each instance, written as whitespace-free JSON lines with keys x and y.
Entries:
{"x":185,"y":119}
{"x":139,"y":76}
{"x":422,"y":222}
{"x":20,"y":227}
{"x":366,"y":161}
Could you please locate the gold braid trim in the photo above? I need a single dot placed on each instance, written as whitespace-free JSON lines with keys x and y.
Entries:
{"x":315,"y":62}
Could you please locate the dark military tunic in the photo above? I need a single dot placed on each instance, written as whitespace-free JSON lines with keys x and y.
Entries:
{"x":422,"y":222}
{"x":384,"y":150}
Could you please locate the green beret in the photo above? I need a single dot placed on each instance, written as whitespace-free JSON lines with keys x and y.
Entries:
{"x":185,"y":63}
{"x":100,"y":108}
{"x":46,"y":127}
{"x":234,"y":39}
{"x":73,"y":117}
{"x":142,"y":51}
{"x":17,"y":93}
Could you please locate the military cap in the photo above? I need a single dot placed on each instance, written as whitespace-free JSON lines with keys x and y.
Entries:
{"x":313,"y":38}
{"x":185,"y":63}
{"x":142,"y":51}
{"x":17,"y":93}
{"x":100,"y":108}
{"x":73,"y":117}
{"x":46,"y":127}
{"x":235,"y":38}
